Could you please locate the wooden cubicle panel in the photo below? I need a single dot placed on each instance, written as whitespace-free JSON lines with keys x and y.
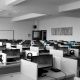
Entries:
{"x":57,"y":55}
{"x":29,"y":69}
{"x":69,"y":66}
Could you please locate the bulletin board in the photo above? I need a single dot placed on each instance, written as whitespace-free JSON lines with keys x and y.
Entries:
{"x":62,"y":31}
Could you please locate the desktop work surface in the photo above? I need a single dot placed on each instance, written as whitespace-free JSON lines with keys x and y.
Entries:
{"x":51,"y":75}
{"x":14,"y":76}
{"x":29,"y":72}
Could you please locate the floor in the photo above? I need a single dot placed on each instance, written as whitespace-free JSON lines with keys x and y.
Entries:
{"x":14,"y":76}
{"x":76,"y":78}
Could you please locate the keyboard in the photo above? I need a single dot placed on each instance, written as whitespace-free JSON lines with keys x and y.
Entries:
{"x":55,"y":70}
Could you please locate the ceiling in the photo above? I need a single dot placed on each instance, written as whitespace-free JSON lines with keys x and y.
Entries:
{"x":55,"y":2}
{"x":29,"y":6}
{"x":72,"y":13}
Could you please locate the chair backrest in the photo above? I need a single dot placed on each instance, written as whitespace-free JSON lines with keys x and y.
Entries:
{"x":8,"y":45}
{"x":56,"y":53}
{"x":35,"y":49}
{"x":0,"y":43}
{"x":19,"y":47}
{"x":3,"y":58}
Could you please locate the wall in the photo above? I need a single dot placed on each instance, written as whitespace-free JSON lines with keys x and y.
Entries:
{"x":21,"y":29}
{"x":58,"y":22}
{"x":5,"y":24}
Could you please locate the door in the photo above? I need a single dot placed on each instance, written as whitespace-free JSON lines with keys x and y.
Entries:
{"x":44,"y":34}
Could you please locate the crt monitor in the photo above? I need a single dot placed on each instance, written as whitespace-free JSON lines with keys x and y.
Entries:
{"x":43,"y":61}
{"x":36,"y":35}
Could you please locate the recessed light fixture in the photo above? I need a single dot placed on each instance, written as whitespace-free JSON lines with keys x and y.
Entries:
{"x":27,"y":16}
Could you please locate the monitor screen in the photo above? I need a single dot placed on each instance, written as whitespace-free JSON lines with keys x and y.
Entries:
{"x":36,"y":35}
{"x":43,"y":61}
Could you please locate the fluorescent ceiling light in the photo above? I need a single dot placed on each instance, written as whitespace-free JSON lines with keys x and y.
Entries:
{"x":28,"y":16}
{"x":13,"y":2}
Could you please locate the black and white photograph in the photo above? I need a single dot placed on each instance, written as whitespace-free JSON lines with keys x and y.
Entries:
{"x":39,"y":40}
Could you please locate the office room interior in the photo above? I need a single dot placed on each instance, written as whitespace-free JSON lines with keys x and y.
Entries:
{"x":39,"y":39}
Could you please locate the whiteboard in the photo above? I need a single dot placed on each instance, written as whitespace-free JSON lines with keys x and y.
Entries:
{"x":6,"y":34}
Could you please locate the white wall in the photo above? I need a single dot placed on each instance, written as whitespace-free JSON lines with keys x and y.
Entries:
{"x":5,"y":24}
{"x":21,"y":29}
{"x":58,"y":22}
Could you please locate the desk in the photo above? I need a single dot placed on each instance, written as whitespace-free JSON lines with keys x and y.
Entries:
{"x":56,"y":76}
{"x":14,"y":76}
{"x":27,"y":71}
{"x":10,"y":68}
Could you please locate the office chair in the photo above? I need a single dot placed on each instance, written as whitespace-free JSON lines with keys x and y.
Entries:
{"x":8,"y":45}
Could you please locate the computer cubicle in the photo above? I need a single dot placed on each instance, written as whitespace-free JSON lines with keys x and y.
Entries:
{"x":44,"y":62}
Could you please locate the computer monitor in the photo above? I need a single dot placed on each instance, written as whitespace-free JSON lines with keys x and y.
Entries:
{"x":36,"y":35}
{"x":43,"y":61}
